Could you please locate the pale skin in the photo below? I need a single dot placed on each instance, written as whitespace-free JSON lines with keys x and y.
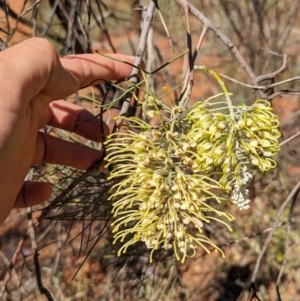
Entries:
{"x":33,"y":80}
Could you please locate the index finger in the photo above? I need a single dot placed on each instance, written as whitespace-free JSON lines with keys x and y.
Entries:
{"x":34,"y":64}
{"x":88,"y":68}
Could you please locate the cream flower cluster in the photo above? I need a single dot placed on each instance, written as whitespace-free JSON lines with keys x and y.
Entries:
{"x":238,"y":143}
{"x":171,"y":179}
{"x":161,"y":197}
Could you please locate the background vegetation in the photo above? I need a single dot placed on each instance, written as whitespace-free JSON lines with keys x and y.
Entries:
{"x":63,"y":251}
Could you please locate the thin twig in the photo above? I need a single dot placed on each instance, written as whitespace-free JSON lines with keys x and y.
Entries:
{"x":273,"y":74}
{"x":33,"y":7}
{"x":189,"y":80}
{"x":189,"y":75}
{"x":287,"y":92}
{"x":204,"y":31}
{"x":290,"y":138}
{"x":267,"y":87}
{"x":222,"y":37}
{"x":165,"y":27}
{"x":150,"y":57}
{"x":12,"y":263}
{"x":7,"y":15}
{"x":50,"y":19}
{"x":70,"y":42}
{"x":189,"y":41}
{"x":245,"y":238}
{"x":102,"y":17}
{"x":255,"y":80}
{"x":58,"y":230}
{"x":139,"y":54}
{"x":4,"y":5}
{"x":260,"y":87}
{"x":31,"y":228}
{"x":286,"y":248}
{"x":67,"y":190}
{"x":70,"y":28}
{"x":293,"y":194}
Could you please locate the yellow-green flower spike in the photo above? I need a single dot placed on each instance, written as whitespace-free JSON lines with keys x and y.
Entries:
{"x":161,"y":197}
{"x":238,"y":146}
{"x":171,"y":179}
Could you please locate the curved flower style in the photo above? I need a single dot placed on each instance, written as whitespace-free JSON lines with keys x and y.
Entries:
{"x":161,"y":196}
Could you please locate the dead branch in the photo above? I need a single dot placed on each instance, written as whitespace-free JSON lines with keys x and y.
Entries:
{"x":291,"y":197}
{"x":13,"y":262}
{"x":9,"y":12}
{"x":139,"y":54}
{"x":32,"y":8}
{"x":286,"y":248}
{"x":31,"y":229}
{"x":221,"y":36}
{"x":273,"y":74}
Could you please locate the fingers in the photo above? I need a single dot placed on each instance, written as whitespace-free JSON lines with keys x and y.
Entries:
{"x":87,"y":69}
{"x":53,"y":150}
{"x":72,"y":118}
{"x":42,"y":72}
{"x":34,"y":65}
{"x":33,"y":193}
{"x":90,"y":67}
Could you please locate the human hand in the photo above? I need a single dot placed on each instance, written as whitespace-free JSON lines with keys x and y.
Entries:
{"x":32,"y":77}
